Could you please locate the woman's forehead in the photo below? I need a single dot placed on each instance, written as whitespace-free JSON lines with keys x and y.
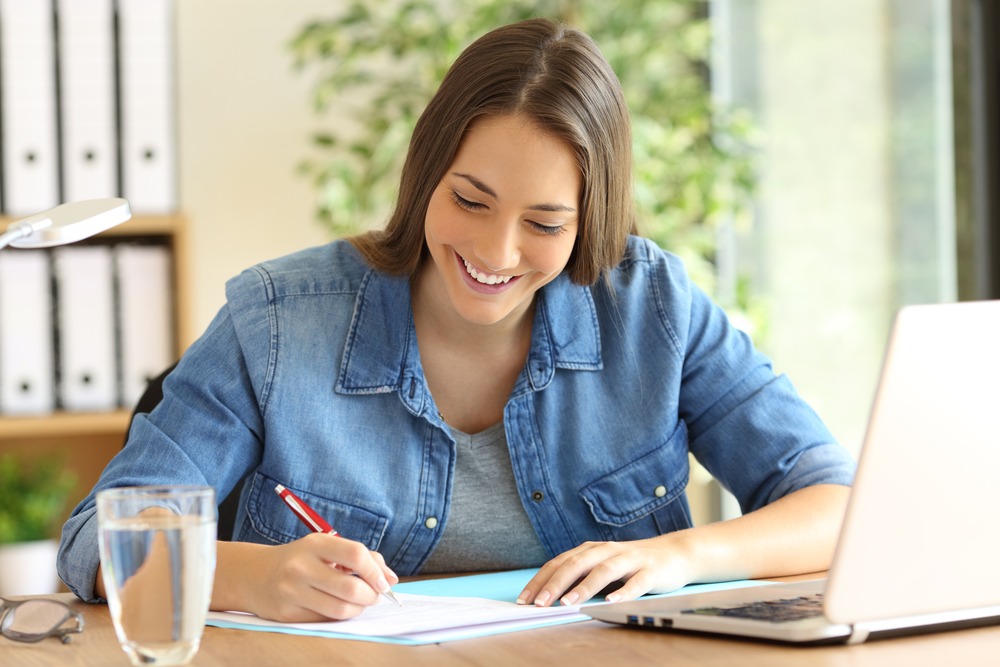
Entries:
{"x":514,"y":153}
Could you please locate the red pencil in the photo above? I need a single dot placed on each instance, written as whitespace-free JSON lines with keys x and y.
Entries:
{"x":314,"y":521}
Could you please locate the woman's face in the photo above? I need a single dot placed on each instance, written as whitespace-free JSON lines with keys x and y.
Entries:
{"x":503,"y":220}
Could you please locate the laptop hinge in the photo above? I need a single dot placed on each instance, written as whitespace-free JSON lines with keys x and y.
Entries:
{"x":859,"y":634}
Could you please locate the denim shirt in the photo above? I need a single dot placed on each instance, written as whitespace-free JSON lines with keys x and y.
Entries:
{"x":310,"y":377}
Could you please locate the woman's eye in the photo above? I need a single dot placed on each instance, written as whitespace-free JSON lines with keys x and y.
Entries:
{"x":465,"y":203}
{"x":551,"y":230}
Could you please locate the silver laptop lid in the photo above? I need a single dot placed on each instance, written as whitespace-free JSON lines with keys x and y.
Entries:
{"x":922,"y":530}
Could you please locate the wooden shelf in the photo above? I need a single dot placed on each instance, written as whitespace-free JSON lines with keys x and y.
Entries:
{"x":146,"y":225}
{"x":137,"y":225}
{"x":65,"y":424}
{"x":87,"y":441}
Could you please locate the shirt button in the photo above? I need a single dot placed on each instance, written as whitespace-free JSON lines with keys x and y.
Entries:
{"x":431,"y":523}
{"x":537,"y":496}
{"x":660,"y":491}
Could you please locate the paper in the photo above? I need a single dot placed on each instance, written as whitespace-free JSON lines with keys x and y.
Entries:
{"x":443,"y":610}
{"x":421,"y":614}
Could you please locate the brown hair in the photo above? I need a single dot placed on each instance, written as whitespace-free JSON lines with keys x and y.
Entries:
{"x":554,"y":75}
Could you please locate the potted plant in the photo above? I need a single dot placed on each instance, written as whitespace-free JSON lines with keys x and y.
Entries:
{"x":32,"y":498}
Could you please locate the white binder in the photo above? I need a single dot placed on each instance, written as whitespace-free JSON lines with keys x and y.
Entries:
{"x":145,"y":30}
{"x":27,"y":78}
{"x":85,"y":319}
{"x":26,"y":351}
{"x":145,"y":316}
{"x":87,"y":97}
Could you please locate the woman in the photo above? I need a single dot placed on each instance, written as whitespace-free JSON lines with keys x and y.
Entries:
{"x":502,"y":378}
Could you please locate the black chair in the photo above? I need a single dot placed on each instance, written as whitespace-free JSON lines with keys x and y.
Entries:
{"x":227,"y":508}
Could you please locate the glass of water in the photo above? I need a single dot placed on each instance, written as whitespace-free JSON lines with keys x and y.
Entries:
{"x":158,"y":562}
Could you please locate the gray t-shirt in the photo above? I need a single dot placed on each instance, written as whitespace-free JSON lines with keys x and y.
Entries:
{"x":487,"y":527}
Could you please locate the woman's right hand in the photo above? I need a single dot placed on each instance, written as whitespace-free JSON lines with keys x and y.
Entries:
{"x":310,"y":579}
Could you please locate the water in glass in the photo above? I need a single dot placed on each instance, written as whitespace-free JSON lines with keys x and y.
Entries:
{"x":158,"y":565}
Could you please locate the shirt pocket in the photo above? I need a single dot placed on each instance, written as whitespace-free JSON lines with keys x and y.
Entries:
{"x":271,"y":518}
{"x":644,"y":498}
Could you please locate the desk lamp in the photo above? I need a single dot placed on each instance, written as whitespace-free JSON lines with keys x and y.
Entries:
{"x":66,"y":223}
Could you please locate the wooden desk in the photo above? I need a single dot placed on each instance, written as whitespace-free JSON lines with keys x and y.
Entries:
{"x":585,"y":644}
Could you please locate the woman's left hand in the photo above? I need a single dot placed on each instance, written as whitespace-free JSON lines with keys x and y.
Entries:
{"x":657,"y":565}
{"x":793,"y":535}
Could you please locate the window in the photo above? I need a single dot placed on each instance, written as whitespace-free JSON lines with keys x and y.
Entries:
{"x":875,"y":161}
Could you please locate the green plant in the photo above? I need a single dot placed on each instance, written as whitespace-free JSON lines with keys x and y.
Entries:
{"x":32,"y":497}
{"x":379,"y":62}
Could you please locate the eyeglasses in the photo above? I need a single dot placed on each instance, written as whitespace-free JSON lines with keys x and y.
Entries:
{"x":34,"y":620}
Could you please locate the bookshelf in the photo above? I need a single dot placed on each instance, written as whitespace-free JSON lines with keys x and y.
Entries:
{"x":88,"y":441}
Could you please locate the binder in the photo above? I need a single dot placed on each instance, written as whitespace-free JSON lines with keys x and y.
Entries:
{"x":28,"y":98}
{"x":26,"y":350}
{"x":145,"y":316}
{"x":147,"y":105}
{"x":87,"y":99}
{"x":85,"y":325}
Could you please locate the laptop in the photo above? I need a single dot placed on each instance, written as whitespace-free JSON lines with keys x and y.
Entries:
{"x":919,"y":549}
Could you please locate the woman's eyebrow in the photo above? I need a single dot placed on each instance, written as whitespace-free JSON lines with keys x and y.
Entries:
{"x":482,"y":187}
{"x":479,"y":185}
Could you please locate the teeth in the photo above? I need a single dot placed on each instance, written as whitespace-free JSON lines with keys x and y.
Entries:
{"x":486,"y":279}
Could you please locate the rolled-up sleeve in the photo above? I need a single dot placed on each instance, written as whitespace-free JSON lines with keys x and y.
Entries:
{"x":747,"y":426}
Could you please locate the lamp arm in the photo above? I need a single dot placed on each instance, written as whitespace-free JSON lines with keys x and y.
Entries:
{"x":21,"y":229}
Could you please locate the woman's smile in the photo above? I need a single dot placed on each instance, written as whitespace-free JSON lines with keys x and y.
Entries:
{"x":483,"y":282}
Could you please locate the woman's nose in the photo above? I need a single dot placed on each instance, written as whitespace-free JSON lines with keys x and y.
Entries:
{"x":498,"y":249}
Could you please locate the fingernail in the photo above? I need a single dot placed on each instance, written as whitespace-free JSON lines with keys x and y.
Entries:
{"x":383,"y":585}
{"x":395,"y":579}
{"x":570,"y":599}
{"x":523,"y":597}
{"x":614,"y":597}
{"x":542,"y":598}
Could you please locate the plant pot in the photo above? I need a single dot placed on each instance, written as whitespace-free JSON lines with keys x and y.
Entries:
{"x":28,"y":568}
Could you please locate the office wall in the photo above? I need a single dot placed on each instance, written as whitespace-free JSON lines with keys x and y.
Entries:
{"x":243,"y":124}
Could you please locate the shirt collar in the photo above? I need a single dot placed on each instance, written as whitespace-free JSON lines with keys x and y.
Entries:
{"x":381,"y":354}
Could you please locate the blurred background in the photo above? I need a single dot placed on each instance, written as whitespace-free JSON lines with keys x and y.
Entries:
{"x":852,"y":133}
{"x":816,"y":164}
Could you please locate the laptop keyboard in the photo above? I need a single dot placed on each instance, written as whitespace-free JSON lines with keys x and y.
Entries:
{"x":774,"y":611}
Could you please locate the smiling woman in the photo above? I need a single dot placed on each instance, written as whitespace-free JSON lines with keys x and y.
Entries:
{"x":504,"y":377}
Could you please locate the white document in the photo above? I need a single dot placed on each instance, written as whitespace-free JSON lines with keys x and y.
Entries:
{"x":28,"y":81}
{"x":144,"y":316}
{"x":26,"y":349}
{"x":86,"y":325}
{"x":87,"y":96}
{"x":432,"y":618}
{"x":424,"y":618}
{"x":147,"y":105}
